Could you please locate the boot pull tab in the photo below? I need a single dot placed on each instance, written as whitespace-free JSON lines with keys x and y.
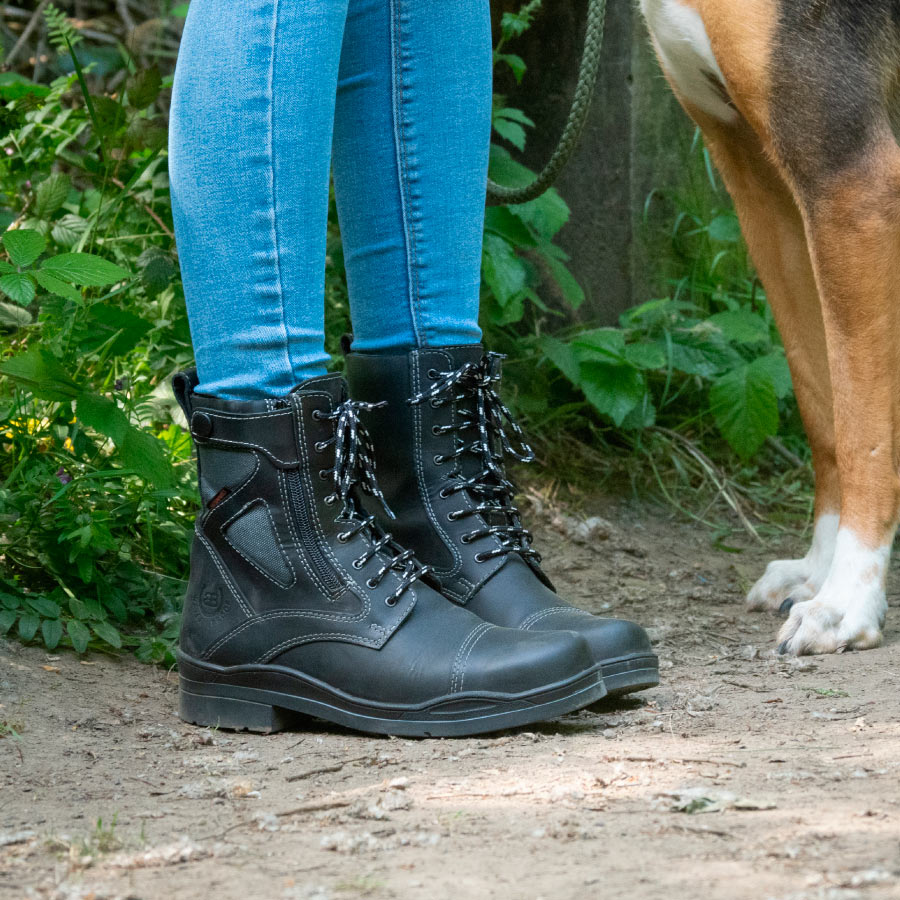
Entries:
{"x":183,"y":385}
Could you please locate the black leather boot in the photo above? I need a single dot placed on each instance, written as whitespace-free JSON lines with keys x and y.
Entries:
{"x":440,"y":445}
{"x":298,"y":601}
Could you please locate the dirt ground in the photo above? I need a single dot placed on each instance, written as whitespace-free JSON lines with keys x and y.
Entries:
{"x":744,"y":775}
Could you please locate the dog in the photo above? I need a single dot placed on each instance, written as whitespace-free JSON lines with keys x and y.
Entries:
{"x":799,"y":105}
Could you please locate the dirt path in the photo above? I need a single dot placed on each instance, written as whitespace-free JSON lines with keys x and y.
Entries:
{"x":743,"y":776}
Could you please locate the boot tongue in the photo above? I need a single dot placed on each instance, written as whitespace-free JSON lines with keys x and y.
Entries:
{"x":333,"y":384}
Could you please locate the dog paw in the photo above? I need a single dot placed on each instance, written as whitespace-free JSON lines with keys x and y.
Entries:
{"x":785,"y":582}
{"x":830,"y":625}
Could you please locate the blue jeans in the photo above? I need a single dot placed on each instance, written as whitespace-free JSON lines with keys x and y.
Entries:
{"x":268,"y":94}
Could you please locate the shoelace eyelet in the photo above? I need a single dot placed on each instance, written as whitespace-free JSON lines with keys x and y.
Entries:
{"x":320,"y":446}
{"x":357,"y":564}
{"x":390,"y":601}
{"x":343,"y":537}
{"x":443,"y":493}
{"x":480,"y":558}
{"x":452,"y":516}
{"x":323,"y":473}
{"x":433,"y":374}
{"x":436,"y":430}
{"x":465,"y":539}
{"x":331,"y":499}
{"x":434,"y":403}
{"x":439,"y":459}
{"x":317,"y":415}
{"x":371,"y":584}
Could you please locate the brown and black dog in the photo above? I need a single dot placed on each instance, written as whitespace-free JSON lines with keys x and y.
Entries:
{"x":799,"y":103}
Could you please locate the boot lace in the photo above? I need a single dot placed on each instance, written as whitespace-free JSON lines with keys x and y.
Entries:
{"x":485,"y":428}
{"x":354,"y":466}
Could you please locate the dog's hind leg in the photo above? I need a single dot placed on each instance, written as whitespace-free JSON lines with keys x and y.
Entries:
{"x":730,"y":104}
{"x":773,"y":228}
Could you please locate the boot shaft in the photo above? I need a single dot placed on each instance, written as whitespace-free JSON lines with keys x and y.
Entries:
{"x":272,"y":541}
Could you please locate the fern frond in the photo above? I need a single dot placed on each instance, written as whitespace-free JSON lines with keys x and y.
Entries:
{"x":60,"y":31}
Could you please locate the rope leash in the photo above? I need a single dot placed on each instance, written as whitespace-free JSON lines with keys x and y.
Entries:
{"x":581,"y":104}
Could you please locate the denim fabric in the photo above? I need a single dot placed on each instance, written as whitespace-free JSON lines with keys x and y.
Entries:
{"x":261,"y":87}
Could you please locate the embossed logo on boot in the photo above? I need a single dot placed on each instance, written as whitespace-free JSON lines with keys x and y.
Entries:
{"x":212,"y":601}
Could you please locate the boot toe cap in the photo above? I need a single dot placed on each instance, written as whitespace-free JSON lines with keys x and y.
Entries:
{"x":609,"y":639}
{"x":508,"y":661}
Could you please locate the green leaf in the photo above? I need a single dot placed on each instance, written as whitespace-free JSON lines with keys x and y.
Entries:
{"x":40,"y":372}
{"x":24,"y":245}
{"x":7,"y":619}
{"x":28,"y":626}
{"x":79,"y":634}
{"x":776,"y":367}
{"x":511,"y":131}
{"x":693,"y":361}
{"x":516,"y":64}
{"x":84,"y":269}
{"x":14,"y":316}
{"x":725,"y":228}
{"x":108,"y":633}
{"x":601,"y":344}
{"x":111,"y":320}
{"x":52,"y":630}
{"x":613,"y":390}
{"x":18,"y":287}
{"x":6,"y":268}
{"x":43,"y":606}
{"x":563,"y":357}
{"x":571,"y":290}
{"x":53,"y":285}
{"x":504,"y":272}
{"x":499,"y":220}
{"x":68,"y":229}
{"x":741,"y":326}
{"x":646,"y":356}
{"x":144,"y":87}
{"x":516,"y":115}
{"x":50,"y":194}
{"x":745,"y":407}
{"x":137,"y":450}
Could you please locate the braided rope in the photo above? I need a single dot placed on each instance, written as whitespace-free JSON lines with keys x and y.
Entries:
{"x":581,"y":104}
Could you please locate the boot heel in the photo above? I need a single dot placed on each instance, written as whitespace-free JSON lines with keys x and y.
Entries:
{"x":233,"y":714}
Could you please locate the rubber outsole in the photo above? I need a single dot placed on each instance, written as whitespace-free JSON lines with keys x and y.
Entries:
{"x":274,"y":698}
{"x":629,"y":674}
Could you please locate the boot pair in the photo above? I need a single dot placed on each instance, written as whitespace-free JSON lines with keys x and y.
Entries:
{"x":300,"y":600}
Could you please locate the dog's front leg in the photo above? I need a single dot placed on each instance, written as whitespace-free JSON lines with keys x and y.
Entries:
{"x":854,"y":229}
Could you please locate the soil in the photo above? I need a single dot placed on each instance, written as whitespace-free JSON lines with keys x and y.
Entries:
{"x":744,"y":775}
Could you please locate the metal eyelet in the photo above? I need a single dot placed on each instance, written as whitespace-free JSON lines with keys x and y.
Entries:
{"x":452,"y":516}
{"x":371,"y":584}
{"x":443,"y":494}
{"x":390,"y":602}
{"x":330,"y":500}
{"x":465,"y":539}
{"x":324,"y":473}
{"x":433,"y":374}
{"x":479,"y":558}
{"x":434,"y":403}
{"x":439,"y":459}
{"x":320,"y":446}
{"x":357,"y":564}
{"x":317,"y":415}
{"x":436,"y":430}
{"x":343,"y":537}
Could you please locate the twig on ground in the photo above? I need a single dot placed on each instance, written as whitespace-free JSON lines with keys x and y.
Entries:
{"x":26,"y":34}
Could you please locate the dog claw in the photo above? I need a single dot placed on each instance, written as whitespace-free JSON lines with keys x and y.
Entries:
{"x":785,"y":607}
{"x":783,"y":648}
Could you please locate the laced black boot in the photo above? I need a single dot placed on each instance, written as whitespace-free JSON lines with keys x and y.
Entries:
{"x":441,"y":443}
{"x":299,"y":602}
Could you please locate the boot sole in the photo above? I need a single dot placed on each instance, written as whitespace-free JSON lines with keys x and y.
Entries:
{"x":628,"y":674}
{"x":274,"y":698}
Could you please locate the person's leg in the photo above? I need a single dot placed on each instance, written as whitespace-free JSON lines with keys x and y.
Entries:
{"x":251,"y":128}
{"x":412,"y":133}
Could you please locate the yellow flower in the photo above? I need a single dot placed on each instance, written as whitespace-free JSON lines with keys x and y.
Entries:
{"x":68,"y":445}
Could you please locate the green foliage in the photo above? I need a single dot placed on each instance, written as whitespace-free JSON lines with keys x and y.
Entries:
{"x":96,"y":492}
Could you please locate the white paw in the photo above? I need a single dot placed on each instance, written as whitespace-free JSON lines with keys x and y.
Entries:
{"x":848,"y":612}
{"x":784,"y":579}
{"x":823,"y":625}
{"x":797,"y":580}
